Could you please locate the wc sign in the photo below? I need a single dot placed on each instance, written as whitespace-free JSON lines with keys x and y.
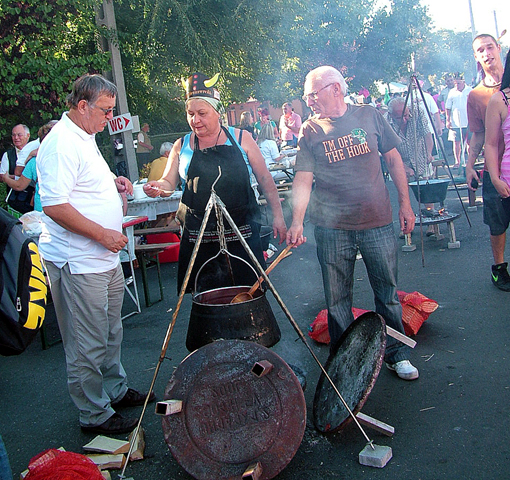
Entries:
{"x":121,"y":123}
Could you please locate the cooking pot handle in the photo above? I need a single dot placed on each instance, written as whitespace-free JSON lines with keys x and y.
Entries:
{"x":230,"y":255}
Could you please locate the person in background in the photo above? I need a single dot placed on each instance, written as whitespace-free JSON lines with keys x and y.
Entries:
{"x":265,"y":117}
{"x":268,"y":146}
{"x":157,"y":167}
{"x":404,"y":126}
{"x":350,"y":205}
{"x":443,"y":95}
{"x":290,"y":123}
{"x":487,"y":53}
{"x":456,"y":117}
{"x":144,"y":146}
{"x":80,"y":243}
{"x":195,"y":161}
{"x":434,"y":119}
{"x":247,"y":123}
{"x":20,"y":137}
{"x":497,"y":123}
{"x":13,"y":160}
{"x":29,"y":173}
{"x":416,"y":145}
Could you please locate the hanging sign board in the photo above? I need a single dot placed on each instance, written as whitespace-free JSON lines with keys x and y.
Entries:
{"x":120,"y":123}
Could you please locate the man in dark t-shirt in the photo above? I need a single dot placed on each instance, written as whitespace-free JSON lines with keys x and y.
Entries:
{"x":350,"y":204}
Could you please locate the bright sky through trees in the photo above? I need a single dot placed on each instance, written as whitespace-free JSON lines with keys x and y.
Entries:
{"x":454,"y":15}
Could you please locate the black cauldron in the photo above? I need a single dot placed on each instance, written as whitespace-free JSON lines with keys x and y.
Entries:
{"x":431,"y":191}
{"x":213,"y":317}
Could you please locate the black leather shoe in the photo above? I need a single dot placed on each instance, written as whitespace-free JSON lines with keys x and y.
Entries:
{"x":132,"y":398}
{"x":115,"y":425}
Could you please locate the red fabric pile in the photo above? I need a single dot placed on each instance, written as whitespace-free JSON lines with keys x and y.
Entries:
{"x":416,"y":308}
{"x":55,"y":464}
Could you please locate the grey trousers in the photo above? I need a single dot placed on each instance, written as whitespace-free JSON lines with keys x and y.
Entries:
{"x":88,"y":308}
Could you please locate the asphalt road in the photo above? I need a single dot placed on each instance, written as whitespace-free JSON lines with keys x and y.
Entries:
{"x":453,"y":422}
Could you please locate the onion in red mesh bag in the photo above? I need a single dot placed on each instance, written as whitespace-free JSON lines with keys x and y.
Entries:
{"x":318,"y":330}
{"x":55,"y":464}
{"x":416,"y":308}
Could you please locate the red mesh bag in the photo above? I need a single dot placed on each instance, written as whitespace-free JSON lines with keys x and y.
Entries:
{"x":358,"y":311}
{"x":416,"y":308}
{"x":55,"y":464}
{"x":318,"y":330}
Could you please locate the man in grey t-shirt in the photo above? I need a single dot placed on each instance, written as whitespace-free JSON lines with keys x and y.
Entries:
{"x":349,"y":206}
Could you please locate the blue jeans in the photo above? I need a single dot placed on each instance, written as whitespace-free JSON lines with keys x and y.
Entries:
{"x":336,"y":250}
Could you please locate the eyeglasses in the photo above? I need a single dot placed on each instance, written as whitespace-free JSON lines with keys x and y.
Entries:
{"x":315,"y":93}
{"x":106,"y":111}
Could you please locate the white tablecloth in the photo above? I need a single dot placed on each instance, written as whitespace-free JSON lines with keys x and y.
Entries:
{"x":152,"y":207}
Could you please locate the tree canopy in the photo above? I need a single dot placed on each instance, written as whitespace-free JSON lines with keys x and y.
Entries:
{"x":45,"y":46}
{"x":261,"y":49}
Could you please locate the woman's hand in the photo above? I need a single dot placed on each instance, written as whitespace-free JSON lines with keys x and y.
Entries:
{"x":153,"y":189}
{"x":279,"y":229}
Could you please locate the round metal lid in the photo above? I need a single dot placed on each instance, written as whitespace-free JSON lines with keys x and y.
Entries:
{"x":241,"y":405}
{"x":353,"y":367}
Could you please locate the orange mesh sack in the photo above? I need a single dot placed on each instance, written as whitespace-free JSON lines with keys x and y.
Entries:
{"x":416,"y":308}
{"x":55,"y":464}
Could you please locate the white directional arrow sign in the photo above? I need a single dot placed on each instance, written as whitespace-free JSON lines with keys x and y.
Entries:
{"x":121,"y":123}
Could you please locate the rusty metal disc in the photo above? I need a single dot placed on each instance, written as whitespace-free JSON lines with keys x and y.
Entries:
{"x":353,"y":366}
{"x":241,"y":404}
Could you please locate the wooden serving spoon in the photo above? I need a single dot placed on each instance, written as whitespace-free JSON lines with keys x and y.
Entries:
{"x":245,"y":296}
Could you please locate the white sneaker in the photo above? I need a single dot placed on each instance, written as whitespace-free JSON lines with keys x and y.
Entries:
{"x":404,"y":369}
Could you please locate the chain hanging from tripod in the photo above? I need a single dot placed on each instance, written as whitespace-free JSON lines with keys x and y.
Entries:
{"x":220,"y":227}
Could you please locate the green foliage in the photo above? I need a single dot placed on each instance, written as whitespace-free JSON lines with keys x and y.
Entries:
{"x":447,"y":52}
{"x":3,"y":194}
{"x":261,"y":49}
{"x":46,"y":45}
{"x":393,"y":36}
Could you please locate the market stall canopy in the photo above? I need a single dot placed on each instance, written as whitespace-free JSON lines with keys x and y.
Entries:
{"x":395,"y":87}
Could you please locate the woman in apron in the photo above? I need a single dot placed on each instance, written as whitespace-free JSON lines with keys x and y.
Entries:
{"x":194,"y":161}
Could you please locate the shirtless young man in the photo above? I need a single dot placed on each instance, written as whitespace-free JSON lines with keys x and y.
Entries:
{"x":487,"y":52}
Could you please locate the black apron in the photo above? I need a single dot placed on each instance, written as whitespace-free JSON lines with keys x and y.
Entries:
{"x":235,"y":191}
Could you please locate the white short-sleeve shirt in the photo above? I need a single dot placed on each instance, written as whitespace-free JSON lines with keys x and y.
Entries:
{"x":457,"y":103}
{"x":23,"y":153}
{"x":72,"y":170}
{"x":270,"y":152}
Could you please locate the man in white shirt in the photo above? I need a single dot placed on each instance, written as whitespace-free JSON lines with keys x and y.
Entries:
{"x":80,"y":244}
{"x":456,"y":117}
{"x":20,"y":138}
